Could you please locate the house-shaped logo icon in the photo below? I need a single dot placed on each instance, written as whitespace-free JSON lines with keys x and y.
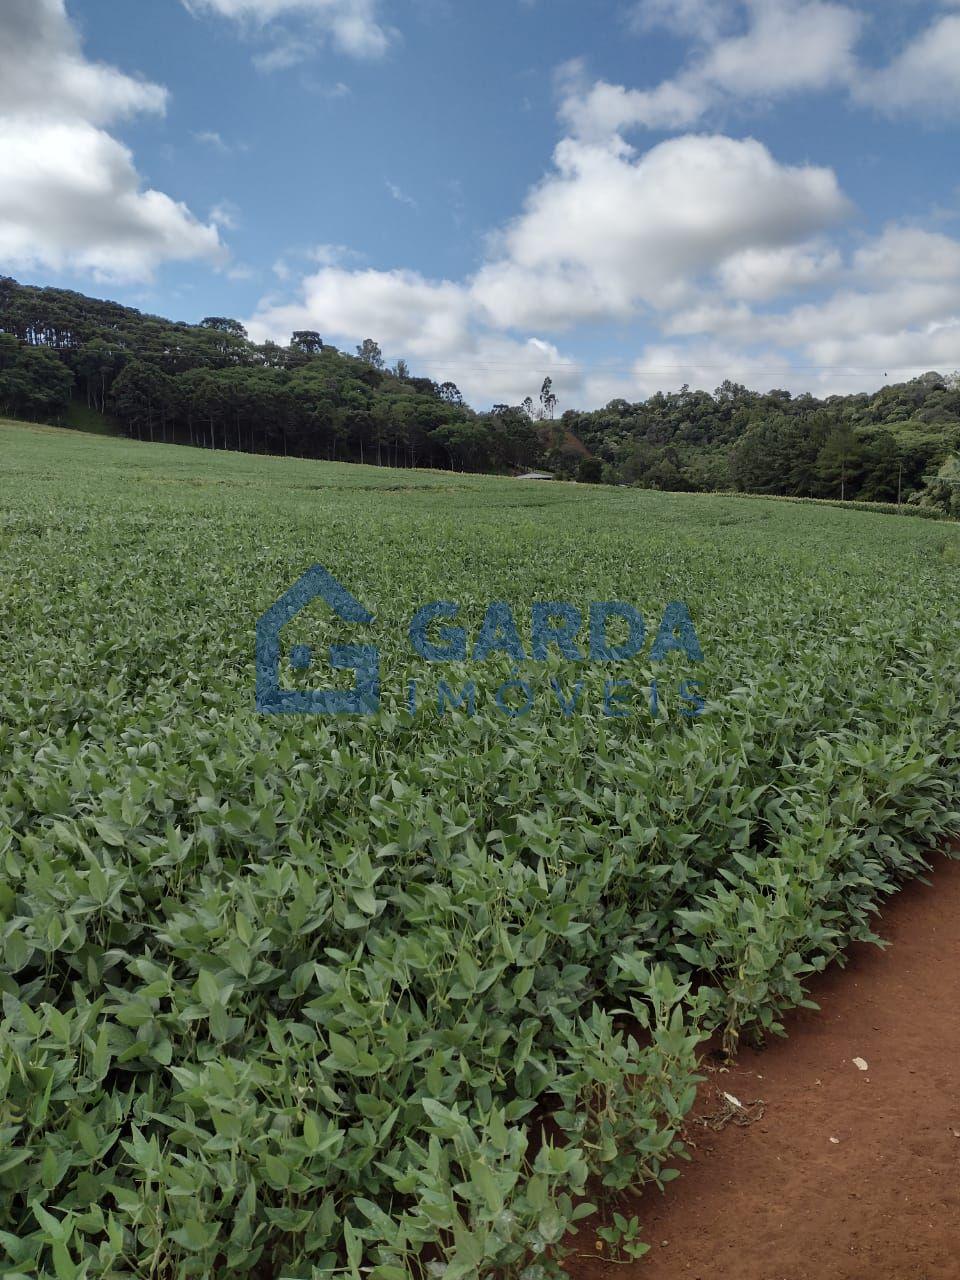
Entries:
{"x":362,"y":699}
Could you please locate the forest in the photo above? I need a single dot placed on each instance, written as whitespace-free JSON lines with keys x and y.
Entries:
{"x":209,"y":386}
{"x":870,"y":448}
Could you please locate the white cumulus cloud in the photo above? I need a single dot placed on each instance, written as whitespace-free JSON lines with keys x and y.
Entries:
{"x":750,"y":52}
{"x":785,"y":48}
{"x":44,"y":73}
{"x":607,"y":233}
{"x":610,"y":229}
{"x":70,"y":193}
{"x":736,"y":263}
{"x":757,"y":275}
{"x":431,"y":321}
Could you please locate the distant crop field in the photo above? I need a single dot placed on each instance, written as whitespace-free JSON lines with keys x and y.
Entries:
{"x":409,"y":994}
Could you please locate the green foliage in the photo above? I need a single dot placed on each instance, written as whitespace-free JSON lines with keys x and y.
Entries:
{"x":207,"y":385}
{"x":941,"y":494}
{"x":590,"y":471}
{"x":624,"y":1238}
{"x":874,"y":448}
{"x":916,"y":508}
{"x":33,"y":382}
{"x":404,"y":996}
{"x":78,"y":417}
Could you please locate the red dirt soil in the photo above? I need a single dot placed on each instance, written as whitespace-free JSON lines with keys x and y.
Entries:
{"x":779,"y":1200}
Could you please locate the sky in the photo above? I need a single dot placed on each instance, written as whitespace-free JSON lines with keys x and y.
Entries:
{"x":623,"y":195}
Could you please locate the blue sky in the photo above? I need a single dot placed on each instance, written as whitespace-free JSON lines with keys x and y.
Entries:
{"x":626,"y":195}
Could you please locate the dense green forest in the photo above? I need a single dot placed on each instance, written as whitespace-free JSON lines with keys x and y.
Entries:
{"x":209,"y":386}
{"x":873,"y":448}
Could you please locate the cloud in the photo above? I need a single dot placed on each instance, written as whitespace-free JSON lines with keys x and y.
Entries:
{"x":909,"y":253}
{"x":701,"y":365}
{"x":70,"y":197}
{"x":285,"y":54}
{"x":857,"y":318}
{"x":430,"y":321}
{"x":322,"y":255}
{"x":44,"y":74}
{"x":601,"y":110}
{"x":890,"y":306}
{"x":400,"y":308}
{"x":755,"y":51}
{"x":331,"y":255}
{"x":70,"y":194}
{"x":786,"y":48}
{"x":210,"y":138}
{"x":924,"y":77}
{"x":400,"y":196}
{"x":225,"y":214}
{"x":607,"y":233}
{"x":216,"y":141}
{"x":894,"y":308}
{"x":609,"y":230}
{"x":730,"y":259}
{"x":699,"y":19}
{"x":758,"y":275}
{"x":352,"y":25}
{"x":902,"y":279}
{"x":902,"y":286}
{"x":323,"y":88}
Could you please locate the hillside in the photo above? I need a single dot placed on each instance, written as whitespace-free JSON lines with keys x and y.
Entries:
{"x":867,"y":447}
{"x":208,"y":385}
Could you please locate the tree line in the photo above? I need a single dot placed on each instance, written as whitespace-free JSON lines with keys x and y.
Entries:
{"x":884,"y":447}
{"x":209,"y":386}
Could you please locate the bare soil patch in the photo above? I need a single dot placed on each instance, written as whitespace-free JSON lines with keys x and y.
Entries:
{"x":842,"y":1173}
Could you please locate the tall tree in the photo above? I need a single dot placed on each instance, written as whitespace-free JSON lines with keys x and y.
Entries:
{"x":223,"y":324}
{"x":307,"y":341}
{"x":840,"y":462}
{"x":548,"y":400}
{"x":369,"y":352}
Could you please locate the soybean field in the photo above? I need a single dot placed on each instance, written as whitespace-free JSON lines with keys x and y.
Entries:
{"x":418,"y":992}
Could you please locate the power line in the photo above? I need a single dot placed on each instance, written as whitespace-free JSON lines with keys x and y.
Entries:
{"x":626,"y":366}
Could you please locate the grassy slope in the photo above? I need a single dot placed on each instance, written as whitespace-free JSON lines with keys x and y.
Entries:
{"x":223,"y":467}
